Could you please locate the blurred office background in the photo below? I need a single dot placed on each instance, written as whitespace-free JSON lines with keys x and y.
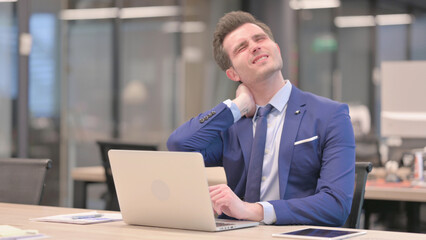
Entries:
{"x":76,"y":71}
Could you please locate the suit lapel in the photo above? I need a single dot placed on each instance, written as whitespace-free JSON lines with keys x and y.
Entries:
{"x":293,"y":117}
{"x":245,"y":136}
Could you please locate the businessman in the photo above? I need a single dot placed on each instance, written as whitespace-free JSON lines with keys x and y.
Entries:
{"x":288,"y":155}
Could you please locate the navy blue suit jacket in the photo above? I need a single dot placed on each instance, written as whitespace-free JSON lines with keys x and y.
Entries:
{"x":316,"y":178}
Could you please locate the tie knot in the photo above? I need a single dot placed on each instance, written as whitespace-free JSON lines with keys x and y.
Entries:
{"x":263,"y":111}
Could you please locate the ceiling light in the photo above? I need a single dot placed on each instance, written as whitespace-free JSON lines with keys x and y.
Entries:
{"x":185,"y":27}
{"x":394,"y":19}
{"x":124,"y":13}
{"x":354,"y":21}
{"x":89,"y":14}
{"x":369,"y":21}
{"x":147,"y":12}
{"x":313,"y":4}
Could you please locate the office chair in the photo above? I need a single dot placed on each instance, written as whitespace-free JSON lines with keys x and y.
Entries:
{"x":105,"y":146}
{"x":22,"y":180}
{"x":361,"y":171}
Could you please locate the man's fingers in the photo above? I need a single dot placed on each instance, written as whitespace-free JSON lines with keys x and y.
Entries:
{"x":219,"y":195}
{"x":217,"y":209}
{"x":220,"y":205}
{"x":217,"y":204}
{"x":222,"y":197}
{"x":215,"y":187}
{"x":214,"y":192}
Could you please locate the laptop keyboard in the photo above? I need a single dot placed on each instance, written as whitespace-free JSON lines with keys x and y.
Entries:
{"x":221,"y":224}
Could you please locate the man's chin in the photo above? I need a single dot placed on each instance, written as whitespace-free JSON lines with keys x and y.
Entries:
{"x":268,"y":71}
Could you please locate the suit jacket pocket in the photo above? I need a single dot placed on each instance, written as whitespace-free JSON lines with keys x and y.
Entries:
{"x":305,"y":156}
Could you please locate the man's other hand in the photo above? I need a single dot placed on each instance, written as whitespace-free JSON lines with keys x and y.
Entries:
{"x":225,"y":201}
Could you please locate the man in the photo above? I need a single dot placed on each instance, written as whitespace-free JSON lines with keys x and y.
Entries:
{"x":307,"y":170}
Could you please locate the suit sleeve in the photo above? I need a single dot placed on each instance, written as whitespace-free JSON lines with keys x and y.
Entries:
{"x":203,"y":134}
{"x":331,"y":203}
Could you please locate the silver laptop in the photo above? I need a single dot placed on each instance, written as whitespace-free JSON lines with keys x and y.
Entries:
{"x":166,"y":189}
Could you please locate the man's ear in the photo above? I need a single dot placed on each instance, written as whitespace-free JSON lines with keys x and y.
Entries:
{"x":278,"y":48}
{"x":232,"y":74}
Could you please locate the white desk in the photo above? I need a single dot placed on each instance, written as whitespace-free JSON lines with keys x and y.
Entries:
{"x":405,"y":194}
{"x":89,"y":174}
{"x":17,"y":215}
{"x":83,"y":176}
{"x":378,"y":189}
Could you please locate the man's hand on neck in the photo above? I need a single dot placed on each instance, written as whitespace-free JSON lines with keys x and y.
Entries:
{"x":245,"y":101}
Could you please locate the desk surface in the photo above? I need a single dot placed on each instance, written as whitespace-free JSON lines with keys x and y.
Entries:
{"x":89,"y":174}
{"x":380,"y":190}
{"x":17,"y":215}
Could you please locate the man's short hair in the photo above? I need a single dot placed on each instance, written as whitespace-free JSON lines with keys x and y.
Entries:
{"x":227,"y":24}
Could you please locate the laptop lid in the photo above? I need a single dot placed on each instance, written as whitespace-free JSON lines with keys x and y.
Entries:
{"x":164,"y":189}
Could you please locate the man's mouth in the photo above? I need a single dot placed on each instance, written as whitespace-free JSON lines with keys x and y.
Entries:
{"x":260,"y":58}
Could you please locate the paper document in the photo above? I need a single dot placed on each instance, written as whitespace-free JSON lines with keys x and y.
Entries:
{"x":8,"y":233}
{"x":81,"y":218}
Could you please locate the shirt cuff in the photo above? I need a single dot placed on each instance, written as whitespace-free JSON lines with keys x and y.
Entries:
{"x":234,"y":109}
{"x":269,"y":216}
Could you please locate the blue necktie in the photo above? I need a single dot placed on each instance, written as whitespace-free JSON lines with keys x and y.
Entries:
{"x":256,"y":158}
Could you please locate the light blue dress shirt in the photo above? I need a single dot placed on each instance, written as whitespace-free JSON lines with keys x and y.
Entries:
{"x":269,"y":188}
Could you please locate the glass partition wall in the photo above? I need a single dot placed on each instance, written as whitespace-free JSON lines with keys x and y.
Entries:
{"x":343,"y":43}
{"x":121,"y":70}
{"x":134,"y":71}
{"x":29,"y":122}
{"x":8,"y":79}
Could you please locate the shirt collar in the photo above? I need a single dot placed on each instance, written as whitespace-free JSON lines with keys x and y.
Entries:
{"x":280,"y":99}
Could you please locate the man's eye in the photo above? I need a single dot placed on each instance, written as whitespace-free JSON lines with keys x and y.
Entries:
{"x":241,"y":49}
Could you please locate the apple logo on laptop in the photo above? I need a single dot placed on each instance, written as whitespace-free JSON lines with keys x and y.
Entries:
{"x":160,"y":190}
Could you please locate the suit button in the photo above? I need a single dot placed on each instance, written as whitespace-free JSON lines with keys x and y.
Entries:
{"x":263,"y":178}
{"x":202,"y":120}
{"x":210,"y":114}
{"x":213,"y":112}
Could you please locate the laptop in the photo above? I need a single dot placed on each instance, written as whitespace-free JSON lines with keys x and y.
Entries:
{"x":166,"y":189}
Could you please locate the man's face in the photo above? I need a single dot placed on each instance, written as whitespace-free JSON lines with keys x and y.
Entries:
{"x":254,"y":56}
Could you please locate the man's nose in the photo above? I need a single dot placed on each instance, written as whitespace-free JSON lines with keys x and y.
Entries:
{"x":255,"y":49}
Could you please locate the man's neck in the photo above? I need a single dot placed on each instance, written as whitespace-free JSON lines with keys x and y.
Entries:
{"x":264,"y":90}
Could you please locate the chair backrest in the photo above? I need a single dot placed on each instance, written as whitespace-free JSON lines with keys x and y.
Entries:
{"x":22,"y":180}
{"x":361,"y":171}
{"x":105,"y":146}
